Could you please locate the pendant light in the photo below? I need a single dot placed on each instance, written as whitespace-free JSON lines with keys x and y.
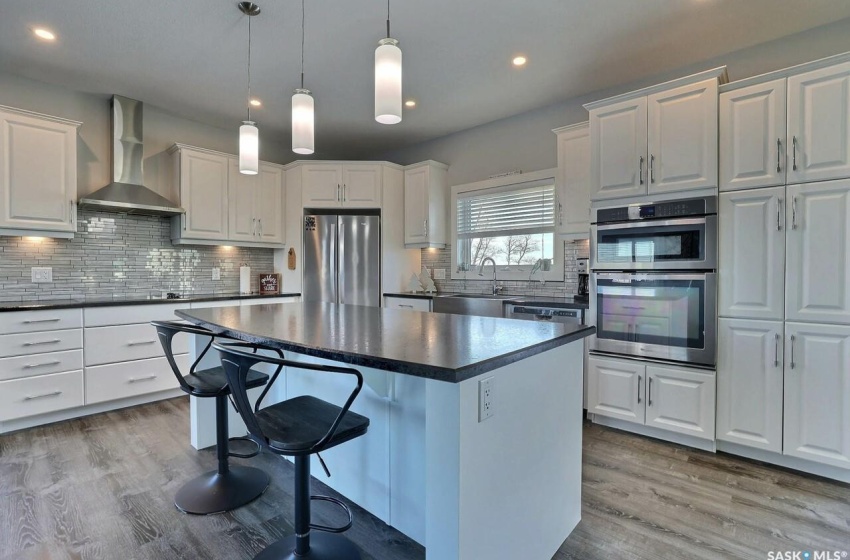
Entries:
{"x":249,"y":136}
{"x":303,"y":113}
{"x":388,"y":78}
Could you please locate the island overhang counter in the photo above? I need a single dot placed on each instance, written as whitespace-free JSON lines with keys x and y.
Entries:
{"x":465,"y":486}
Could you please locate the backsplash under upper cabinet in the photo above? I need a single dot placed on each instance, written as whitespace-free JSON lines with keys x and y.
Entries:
{"x":121,"y":254}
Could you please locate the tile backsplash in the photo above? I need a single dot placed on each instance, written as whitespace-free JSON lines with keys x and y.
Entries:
{"x":116,"y":254}
{"x":442,"y":258}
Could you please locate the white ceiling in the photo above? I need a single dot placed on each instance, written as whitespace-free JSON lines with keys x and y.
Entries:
{"x":188,"y":56}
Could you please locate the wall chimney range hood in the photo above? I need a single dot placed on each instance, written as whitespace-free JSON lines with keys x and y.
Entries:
{"x":125,"y":193}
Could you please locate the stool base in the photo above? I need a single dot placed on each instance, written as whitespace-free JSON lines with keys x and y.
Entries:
{"x":323,"y":546}
{"x":217,"y":493}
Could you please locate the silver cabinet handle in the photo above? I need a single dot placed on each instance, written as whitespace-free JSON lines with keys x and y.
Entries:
{"x":344,"y":193}
{"x":43,"y":395}
{"x":52,"y":341}
{"x":634,"y":307}
{"x":778,"y":214}
{"x":260,"y":222}
{"x":794,"y":213}
{"x":140,"y":342}
{"x":45,"y":364}
{"x":31,"y":321}
{"x":71,"y":213}
{"x":338,"y":195}
{"x":793,"y":339}
{"x":137,"y":379}
{"x":776,"y":350}
{"x":640,"y":173}
{"x":794,"y":142}
{"x":778,"y":153}
{"x":253,"y":226}
{"x":649,"y":397}
{"x":407,"y":306}
{"x":651,"y":168}
{"x":639,"y":380}
{"x":425,"y":227}
{"x":560,"y":213}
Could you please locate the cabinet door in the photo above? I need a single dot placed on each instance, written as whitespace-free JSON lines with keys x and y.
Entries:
{"x":818,"y":253}
{"x":38,"y":173}
{"x":242,"y":194}
{"x":203,"y":194}
{"x":752,"y":254}
{"x":819,"y":124}
{"x":680,"y":400}
{"x":574,"y":183}
{"x":682,"y":133}
{"x":321,"y":185}
{"x":749,"y":383}
{"x":270,"y":204}
{"x":615,"y":388}
{"x":618,"y":150}
{"x":416,"y":182}
{"x":817,"y":393}
{"x":361,"y":185}
{"x":752,"y":136}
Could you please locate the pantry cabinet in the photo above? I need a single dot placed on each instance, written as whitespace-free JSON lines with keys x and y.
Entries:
{"x":341,"y":185}
{"x":573,"y":181}
{"x":425,"y":205}
{"x":38,"y":174}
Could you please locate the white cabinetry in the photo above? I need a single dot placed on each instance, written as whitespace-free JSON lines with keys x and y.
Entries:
{"x":256,"y":204}
{"x":615,"y":388}
{"x":38,"y":174}
{"x":752,"y":254}
{"x":338,"y":185}
{"x":410,"y":304}
{"x":573,"y":181}
{"x":201,"y":179}
{"x":425,"y":205}
{"x":657,"y":140}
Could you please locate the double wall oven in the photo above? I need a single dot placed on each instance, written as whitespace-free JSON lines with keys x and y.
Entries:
{"x":654,"y":280}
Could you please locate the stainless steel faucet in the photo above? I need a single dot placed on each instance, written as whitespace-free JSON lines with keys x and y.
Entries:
{"x":481,"y":273}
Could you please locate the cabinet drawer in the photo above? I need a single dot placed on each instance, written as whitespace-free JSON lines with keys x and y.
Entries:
{"x":39,"y":395}
{"x":128,"y":379}
{"x":46,"y":320}
{"x":410,"y":304}
{"x":40,"y":364}
{"x":130,"y":314}
{"x":122,"y":343}
{"x":40,"y":342}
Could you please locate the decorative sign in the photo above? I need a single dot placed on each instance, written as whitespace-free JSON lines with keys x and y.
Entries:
{"x":269,"y":284}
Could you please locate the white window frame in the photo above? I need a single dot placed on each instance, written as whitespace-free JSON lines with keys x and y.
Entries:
{"x":504,"y":272}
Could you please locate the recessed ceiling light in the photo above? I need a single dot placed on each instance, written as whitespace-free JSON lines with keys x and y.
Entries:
{"x":255,"y":102}
{"x":44,"y":34}
{"x":519,"y":60}
{"x":410,"y":103}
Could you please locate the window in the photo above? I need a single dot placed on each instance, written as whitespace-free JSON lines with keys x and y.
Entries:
{"x":512,"y":221}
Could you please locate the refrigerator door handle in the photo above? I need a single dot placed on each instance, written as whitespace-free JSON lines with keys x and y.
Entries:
{"x":340,"y":250}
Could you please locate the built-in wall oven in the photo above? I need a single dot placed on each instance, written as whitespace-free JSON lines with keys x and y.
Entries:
{"x":654,"y":282}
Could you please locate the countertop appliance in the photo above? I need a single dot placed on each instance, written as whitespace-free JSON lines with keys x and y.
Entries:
{"x":549,"y":314}
{"x":342,"y":257}
{"x":583,"y":293}
{"x":653,"y":283}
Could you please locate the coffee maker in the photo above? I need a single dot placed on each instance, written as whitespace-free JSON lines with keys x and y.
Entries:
{"x":583,"y":280}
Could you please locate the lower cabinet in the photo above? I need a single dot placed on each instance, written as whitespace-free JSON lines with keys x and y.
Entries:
{"x":129,"y":379}
{"x":673,"y":398}
{"x":30,"y":396}
{"x":410,"y":304}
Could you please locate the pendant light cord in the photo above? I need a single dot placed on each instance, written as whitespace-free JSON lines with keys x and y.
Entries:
{"x":388,"y":19}
{"x":249,"y":67}
{"x":302,"y":44}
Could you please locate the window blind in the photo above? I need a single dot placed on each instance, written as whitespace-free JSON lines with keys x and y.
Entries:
{"x":523,"y":209}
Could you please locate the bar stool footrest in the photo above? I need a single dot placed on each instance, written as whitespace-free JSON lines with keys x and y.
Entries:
{"x":244,"y":455}
{"x":339,"y":503}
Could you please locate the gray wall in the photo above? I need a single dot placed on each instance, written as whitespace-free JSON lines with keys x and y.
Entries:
{"x":525,"y":142}
{"x":161,"y":129}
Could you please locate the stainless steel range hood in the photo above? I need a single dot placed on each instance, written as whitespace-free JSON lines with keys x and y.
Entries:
{"x":126,"y":193}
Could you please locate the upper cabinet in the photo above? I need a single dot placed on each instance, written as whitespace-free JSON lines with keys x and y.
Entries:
{"x":223,"y":206}
{"x":425,"y":209}
{"x":573,"y":181}
{"x":341,"y":185}
{"x":38,"y":174}
{"x":658,"y":140}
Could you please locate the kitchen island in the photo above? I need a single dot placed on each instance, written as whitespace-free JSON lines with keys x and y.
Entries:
{"x":433,"y":465}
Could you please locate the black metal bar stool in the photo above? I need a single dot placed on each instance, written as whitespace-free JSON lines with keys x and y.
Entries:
{"x":298,"y":427}
{"x":229,"y":486}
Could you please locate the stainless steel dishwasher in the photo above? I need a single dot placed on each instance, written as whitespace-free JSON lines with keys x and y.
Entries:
{"x":550,"y":314}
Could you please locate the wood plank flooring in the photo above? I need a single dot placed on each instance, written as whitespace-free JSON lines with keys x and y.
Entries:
{"x":101,"y":487}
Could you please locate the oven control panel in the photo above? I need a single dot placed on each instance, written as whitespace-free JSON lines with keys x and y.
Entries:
{"x":658,"y":210}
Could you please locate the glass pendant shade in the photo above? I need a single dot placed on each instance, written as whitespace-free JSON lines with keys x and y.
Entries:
{"x":249,"y":148}
{"x":302,"y":122}
{"x":388,"y":82}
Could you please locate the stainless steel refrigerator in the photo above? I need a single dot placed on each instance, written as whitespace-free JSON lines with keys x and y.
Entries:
{"x":342,"y":258}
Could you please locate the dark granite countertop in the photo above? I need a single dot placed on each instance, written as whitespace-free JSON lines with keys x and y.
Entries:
{"x":566,"y":302}
{"x":449,"y":348}
{"x":126,"y":299}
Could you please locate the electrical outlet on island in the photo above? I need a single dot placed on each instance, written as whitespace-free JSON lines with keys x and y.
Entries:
{"x":485,"y":399}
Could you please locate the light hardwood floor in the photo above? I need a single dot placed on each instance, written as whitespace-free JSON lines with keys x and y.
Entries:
{"x":101,"y":488}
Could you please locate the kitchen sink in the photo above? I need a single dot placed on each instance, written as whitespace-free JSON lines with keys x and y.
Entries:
{"x":471,"y":304}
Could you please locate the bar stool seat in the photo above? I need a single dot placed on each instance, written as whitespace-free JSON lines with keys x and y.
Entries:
{"x":213,"y":381}
{"x":298,"y":424}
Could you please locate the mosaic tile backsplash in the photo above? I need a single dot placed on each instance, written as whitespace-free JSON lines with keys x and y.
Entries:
{"x":119,"y":254}
{"x":442,"y":258}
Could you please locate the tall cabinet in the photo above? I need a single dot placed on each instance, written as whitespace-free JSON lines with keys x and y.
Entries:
{"x":573,"y":181}
{"x":783,"y":375}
